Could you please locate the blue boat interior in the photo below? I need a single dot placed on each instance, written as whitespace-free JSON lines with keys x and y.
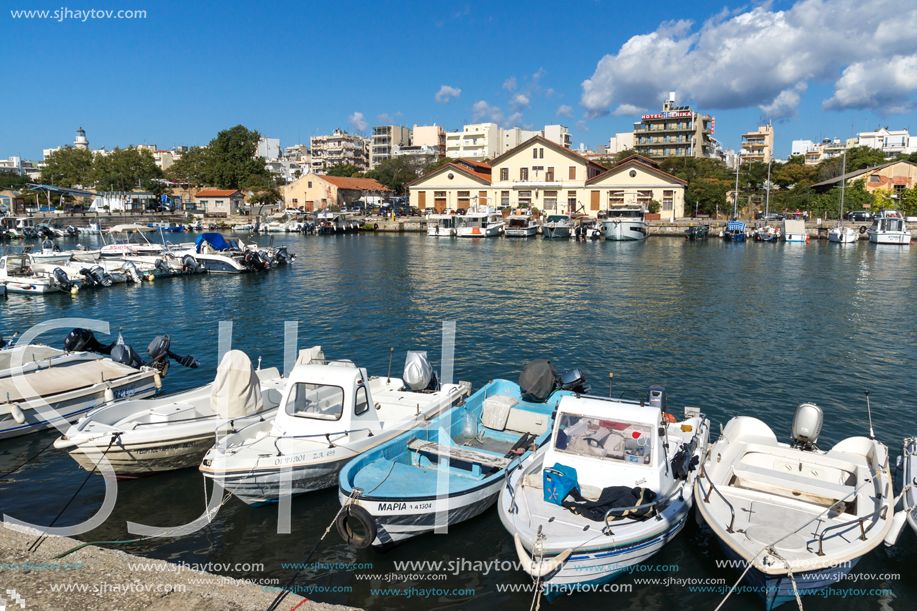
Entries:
{"x":410,"y":465}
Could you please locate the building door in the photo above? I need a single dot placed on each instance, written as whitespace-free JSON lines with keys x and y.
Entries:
{"x":422,"y":200}
{"x":595,"y":200}
{"x":439,"y":201}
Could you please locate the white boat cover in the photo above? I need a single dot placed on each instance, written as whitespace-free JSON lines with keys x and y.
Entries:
{"x":417,"y":370}
{"x":309,"y":355}
{"x":63,"y":379}
{"x":794,"y":226}
{"x":236,"y":389}
{"x":29,"y":353}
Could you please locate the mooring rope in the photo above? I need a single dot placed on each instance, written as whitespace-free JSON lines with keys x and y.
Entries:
{"x":29,"y":460}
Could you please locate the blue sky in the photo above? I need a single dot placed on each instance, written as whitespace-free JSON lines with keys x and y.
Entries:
{"x":817,"y":68}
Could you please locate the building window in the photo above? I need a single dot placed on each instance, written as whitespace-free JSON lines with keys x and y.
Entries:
{"x":572,"y":173}
{"x":874,"y":178}
{"x":504,"y":198}
{"x":541,"y":153}
{"x":899,"y":189}
{"x":504,"y":173}
{"x":668,"y":200}
{"x":571,"y":201}
{"x":535,"y":153}
{"x":644,"y":198}
{"x":295,"y":201}
{"x":550,"y":200}
{"x":523,"y":173}
{"x":525,"y":199}
{"x":464,"y":193}
{"x":549,"y":175}
{"x":439,"y":194}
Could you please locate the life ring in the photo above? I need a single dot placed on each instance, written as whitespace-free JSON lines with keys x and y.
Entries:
{"x":375,"y":226}
{"x":863,"y":229}
{"x":355,"y":540}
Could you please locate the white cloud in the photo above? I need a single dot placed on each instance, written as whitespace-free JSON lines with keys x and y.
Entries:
{"x":520,"y":101}
{"x":358,"y":121}
{"x":581,"y":126}
{"x":565,"y":111}
{"x":387,"y":119}
{"x":512,"y":120}
{"x":548,"y":93}
{"x":446,"y":93}
{"x":886,"y":86}
{"x":538,"y":75}
{"x":628,"y":110}
{"x":784,"y":105}
{"x":510,"y":84}
{"x":763,"y":57}
{"x":483,"y":110}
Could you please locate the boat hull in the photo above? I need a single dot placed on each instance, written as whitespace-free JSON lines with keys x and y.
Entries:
{"x":624,"y":231}
{"x":898,"y":239}
{"x":526,"y":232}
{"x":30,"y":287}
{"x":479,"y":232}
{"x":260,"y":486}
{"x":132,"y":460}
{"x":561,"y":232}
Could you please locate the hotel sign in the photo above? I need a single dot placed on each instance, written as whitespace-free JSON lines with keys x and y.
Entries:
{"x":668,"y":115}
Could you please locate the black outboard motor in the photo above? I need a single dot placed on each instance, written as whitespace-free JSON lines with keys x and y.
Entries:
{"x":190,"y":264}
{"x":159,"y":350}
{"x":2,"y":342}
{"x":282,"y":256}
{"x":88,"y":278}
{"x":100,"y":275}
{"x":574,"y":380}
{"x":28,"y":232}
{"x":46,"y":232}
{"x":538,"y":380}
{"x":63,"y":281}
{"x":124,"y":354}
{"x":72,"y":231}
{"x":83,"y":339}
{"x":161,"y":266}
{"x":253,"y":262}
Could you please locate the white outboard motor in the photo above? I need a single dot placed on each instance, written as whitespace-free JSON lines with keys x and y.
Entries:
{"x":418,"y":373}
{"x":131,"y":271}
{"x":807,"y":423}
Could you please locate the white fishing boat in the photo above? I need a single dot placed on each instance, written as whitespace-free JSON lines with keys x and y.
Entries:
{"x":625,"y":223}
{"x":610,"y":488}
{"x":130,"y":240}
{"x":480,"y":222}
{"x":18,"y":275}
{"x":441,"y":225}
{"x":557,"y":227}
{"x":330,"y":413}
{"x":797,"y":517}
{"x":48,"y":252}
{"x":795,"y":231}
{"x":767,"y":234}
{"x":520,"y":224}
{"x":841,"y":234}
{"x":888,"y":227}
{"x":174,"y":432}
{"x":71,"y":386}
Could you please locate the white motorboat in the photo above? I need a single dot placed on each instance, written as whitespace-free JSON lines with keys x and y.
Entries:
{"x":557,"y":227}
{"x":129,"y":240}
{"x":102,"y":273}
{"x":18,"y":275}
{"x":218,"y":255}
{"x":480,"y":222}
{"x":843,"y":235}
{"x":520,"y":224}
{"x":174,"y":432}
{"x":330,"y":413}
{"x":441,"y":225}
{"x":72,"y":386}
{"x":888,"y":227}
{"x":92,"y":229}
{"x":625,"y":223}
{"x":610,"y":488}
{"x":801,"y":517}
{"x":767,"y":234}
{"x":48,"y":252}
{"x":795,"y":231}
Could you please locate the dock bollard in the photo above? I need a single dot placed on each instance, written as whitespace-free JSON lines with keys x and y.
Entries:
{"x":610,"y":380}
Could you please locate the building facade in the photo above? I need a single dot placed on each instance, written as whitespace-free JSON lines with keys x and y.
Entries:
{"x":477,"y":142}
{"x":314,"y":192}
{"x":220,"y":203}
{"x":340,"y":148}
{"x":620,"y":142}
{"x":758,"y":145}
{"x":386,"y":141}
{"x":892,"y":178}
{"x":430,"y":135}
{"x":677,"y":131}
{"x":545,"y":175}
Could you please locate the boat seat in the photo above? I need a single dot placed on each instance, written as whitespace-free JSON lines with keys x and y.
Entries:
{"x":464,"y":454}
{"x":171,"y":413}
{"x":526,"y":421}
{"x":792,"y":482}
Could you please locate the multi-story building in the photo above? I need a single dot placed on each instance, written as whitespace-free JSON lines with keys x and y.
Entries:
{"x":312,"y":192}
{"x":758,"y":145}
{"x":890,"y":142}
{"x":269,"y":148}
{"x":677,"y":131}
{"x":477,"y":142}
{"x":801,"y":147}
{"x":558,"y":134}
{"x":340,"y":148}
{"x":430,"y":136}
{"x":386,"y":140}
{"x":20,"y":167}
{"x":620,"y":142}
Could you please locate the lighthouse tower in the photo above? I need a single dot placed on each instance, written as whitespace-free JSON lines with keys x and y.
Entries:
{"x":81,"y":142}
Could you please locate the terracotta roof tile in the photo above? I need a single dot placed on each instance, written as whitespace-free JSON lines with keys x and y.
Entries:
{"x":216,"y":193}
{"x":355,"y":184}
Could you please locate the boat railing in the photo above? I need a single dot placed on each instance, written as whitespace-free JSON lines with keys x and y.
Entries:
{"x":713,"y":488}
{"x":663,"y":502}
{"x":863,"y":530}
{"x":506,"y":478}
{"x":327,"y":436}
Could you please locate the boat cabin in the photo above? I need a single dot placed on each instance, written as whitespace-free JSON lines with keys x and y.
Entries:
{"x":889,"y":221}
{"x":16,"y":265}
{"x":480,"y":217}
{"x":519,"y":220}
{"x":610,"y":443}
{"x":626,"y":212}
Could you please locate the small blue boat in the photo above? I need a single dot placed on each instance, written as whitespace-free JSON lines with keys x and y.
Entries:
{"x":445,"y":473}
{"x":735,"y":231}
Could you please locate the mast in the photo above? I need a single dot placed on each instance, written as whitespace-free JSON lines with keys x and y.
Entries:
{"x":735,"y":202}
{"x":843,"y":171}
{"x":767,"y":202}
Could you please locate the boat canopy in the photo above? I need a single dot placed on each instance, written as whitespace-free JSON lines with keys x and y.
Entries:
{"x":130,"y":228}
{"x":236,"y":389}
{"x":735,"y":226}
{"x":794,"y":226}
{"x":216,"y":241}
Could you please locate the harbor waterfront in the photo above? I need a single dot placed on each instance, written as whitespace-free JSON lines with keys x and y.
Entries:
{"x":750,"y":329}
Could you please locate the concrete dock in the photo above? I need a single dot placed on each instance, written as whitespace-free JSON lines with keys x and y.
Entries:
{"x":96,"y":579}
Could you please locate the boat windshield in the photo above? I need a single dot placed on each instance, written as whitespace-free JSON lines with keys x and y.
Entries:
{"x":318,"y":401}
{"x":557,"y":218}
{"x":605,"y":439}
{"x":447,"y":222}
{"x":624,"y":214}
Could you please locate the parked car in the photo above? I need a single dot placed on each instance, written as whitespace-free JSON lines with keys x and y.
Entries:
{"x":858,"y":215}
{"x":771,"y":216}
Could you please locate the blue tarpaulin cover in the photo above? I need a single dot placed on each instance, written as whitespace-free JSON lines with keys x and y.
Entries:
{"x":735,"y":226}
{"x":216,"y":241}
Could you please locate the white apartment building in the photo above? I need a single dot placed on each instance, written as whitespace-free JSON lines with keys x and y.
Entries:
{"x":386,"y":141}
{"x":269,"y":148}
{"x":339,"y":148}
{"x":481,"y":141}
{"x":890,"y":142}
{"x":801,"y":147}
{"x":620,"y":142}
{"x":430,"y":135}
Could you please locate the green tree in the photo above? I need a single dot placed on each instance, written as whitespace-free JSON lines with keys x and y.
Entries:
{"x":67,"y":167}
{"x":232,"y":163}
{"x":193,"y":167}
{"x":346,"y":170}
{"x":9,"y":180}
{"x":265,"y":196}
{"x":857,"y":158}
{"x":125,"y":170}
{"x":397,"y":172}
{"x":624,"y":155}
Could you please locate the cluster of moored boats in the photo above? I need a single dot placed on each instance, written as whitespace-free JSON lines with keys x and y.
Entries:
{"x":888,"y":227}
{"x":587,"y":486}
{"x":128,"y":256}
{"x":622,"y":223}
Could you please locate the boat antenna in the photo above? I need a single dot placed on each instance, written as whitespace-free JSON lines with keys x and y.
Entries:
{"x":869,"y":413}
{"x":390,"y":355}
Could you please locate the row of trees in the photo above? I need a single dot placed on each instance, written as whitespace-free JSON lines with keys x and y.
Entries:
{"x":395,"y":173}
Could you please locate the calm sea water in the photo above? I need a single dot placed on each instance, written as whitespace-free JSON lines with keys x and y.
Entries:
{"x":736,"y":329}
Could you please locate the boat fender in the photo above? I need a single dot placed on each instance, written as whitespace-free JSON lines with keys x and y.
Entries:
{"x":17,"y":414}
{"x":544,"y":567}
{"x":862,"y":228}
{"x":376,"y":226}
{"x":109,"y":395}
{"x":367,"y":522}
{"x":897,"y":525}
{"x":157,"y":381}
